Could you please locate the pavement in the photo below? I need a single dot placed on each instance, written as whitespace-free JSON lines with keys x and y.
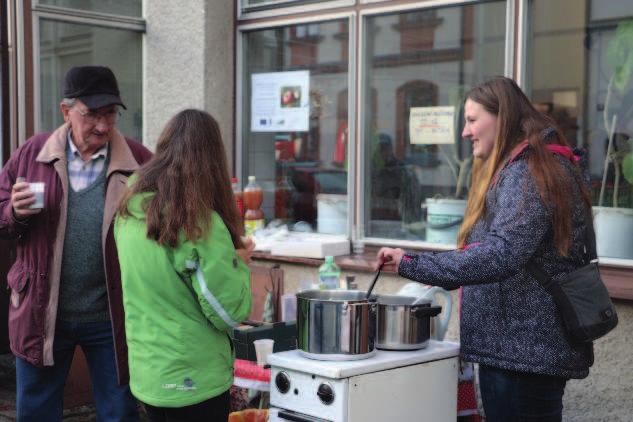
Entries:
{"x":7,"y":396}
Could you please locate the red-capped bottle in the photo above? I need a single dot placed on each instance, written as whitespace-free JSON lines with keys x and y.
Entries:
{"x":253,"y":198}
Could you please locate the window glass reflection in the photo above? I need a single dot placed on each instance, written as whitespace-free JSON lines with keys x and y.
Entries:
{"x":581,"y":73}
{"x":113,"y":7}
{"x":295,"y":123}
{"x":64,"y":45}
{"x":419,"y":65}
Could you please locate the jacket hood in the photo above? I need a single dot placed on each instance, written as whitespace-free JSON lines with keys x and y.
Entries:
{"x":136,"y":202}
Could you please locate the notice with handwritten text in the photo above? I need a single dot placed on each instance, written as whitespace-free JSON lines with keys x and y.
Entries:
{"x":432,"y":125}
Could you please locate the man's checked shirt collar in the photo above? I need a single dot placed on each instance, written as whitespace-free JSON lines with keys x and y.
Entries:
{"x":82,"y":173}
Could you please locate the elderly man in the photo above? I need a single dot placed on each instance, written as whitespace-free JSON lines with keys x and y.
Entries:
{"x":65,"y":283}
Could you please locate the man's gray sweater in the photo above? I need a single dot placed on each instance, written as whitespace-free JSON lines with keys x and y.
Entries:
{"x":83,"y":293}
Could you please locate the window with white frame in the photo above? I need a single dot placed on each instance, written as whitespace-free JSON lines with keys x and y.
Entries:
{"x":580,"y":72}
{"x":413,"y":62}
{"x":418,"y":64}
{"x":74,"y":33}
{"x":132,"y":8}
{"x":248,"y":9}
{"x":294,"y":122}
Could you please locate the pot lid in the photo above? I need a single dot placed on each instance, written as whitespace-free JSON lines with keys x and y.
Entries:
{"x":398,"y":300}
{"x":349,"y":296}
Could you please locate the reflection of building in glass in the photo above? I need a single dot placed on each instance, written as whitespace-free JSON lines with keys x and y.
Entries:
{"x":578,"y":41}
{"x":423,"y":59}
{"x":63,"y":45}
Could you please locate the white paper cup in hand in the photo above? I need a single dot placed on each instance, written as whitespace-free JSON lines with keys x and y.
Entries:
{"x":263,"y":348}
{"x":38,"y":189}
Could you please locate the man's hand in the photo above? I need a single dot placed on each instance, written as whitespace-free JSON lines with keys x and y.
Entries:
{"x":389,"y":258}
{"x":21,"y":198}
{"x":246,"y":252}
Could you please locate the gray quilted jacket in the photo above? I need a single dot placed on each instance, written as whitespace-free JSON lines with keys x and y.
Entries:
{"x":508,"y":321}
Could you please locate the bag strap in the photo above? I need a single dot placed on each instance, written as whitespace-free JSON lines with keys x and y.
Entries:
{"x":539,"y":273}
{"x":590,"y":236}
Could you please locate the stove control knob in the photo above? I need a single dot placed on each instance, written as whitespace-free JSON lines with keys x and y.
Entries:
{"x":325,"y":393}
{"x":282,"y":382}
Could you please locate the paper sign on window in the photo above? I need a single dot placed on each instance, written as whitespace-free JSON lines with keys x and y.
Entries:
{"x":280,"y":101}
{"x":432,"y":125}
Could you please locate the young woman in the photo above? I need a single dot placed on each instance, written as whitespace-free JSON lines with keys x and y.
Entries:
{"x":184,"y":284}
{"x":527,"y":201}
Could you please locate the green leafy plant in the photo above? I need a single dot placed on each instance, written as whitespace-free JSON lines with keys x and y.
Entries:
{"x":620,"y":146}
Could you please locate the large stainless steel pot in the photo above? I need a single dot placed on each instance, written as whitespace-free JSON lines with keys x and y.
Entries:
{"x":403,"y":325}
{"x":335,"y":324}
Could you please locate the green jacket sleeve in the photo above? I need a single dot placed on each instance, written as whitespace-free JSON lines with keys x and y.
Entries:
{"x":218,"y":276}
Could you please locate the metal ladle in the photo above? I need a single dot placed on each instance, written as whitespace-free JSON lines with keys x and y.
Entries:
{"x":373,"y":283}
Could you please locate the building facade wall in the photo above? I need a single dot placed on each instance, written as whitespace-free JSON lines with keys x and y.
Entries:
{"x":219,"y":70}
{"x":188,"y":63}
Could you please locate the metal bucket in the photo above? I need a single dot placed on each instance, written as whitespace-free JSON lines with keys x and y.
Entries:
{"x":335,"y":324}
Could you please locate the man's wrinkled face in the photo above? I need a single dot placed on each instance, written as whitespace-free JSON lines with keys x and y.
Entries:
{"x":91,"y":129}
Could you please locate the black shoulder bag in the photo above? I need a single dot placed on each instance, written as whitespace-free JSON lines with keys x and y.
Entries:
{"x":581,"y":297}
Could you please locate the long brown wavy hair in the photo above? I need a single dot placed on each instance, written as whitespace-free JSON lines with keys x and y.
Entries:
{"x":189,"y":178}
{"x":517,"y":121}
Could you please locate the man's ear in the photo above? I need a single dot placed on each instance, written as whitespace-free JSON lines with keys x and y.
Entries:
{"x":64,"y":109}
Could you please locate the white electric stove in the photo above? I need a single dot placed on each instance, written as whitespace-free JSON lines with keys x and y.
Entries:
{"x":418,"y":385}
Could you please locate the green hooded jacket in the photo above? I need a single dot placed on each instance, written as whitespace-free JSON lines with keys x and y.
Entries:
{"x":180,"y":305}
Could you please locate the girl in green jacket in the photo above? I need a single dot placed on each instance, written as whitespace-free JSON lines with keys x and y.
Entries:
{"x":184,"y":283}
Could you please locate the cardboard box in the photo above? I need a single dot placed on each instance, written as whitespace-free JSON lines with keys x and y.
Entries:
{"x":311,"y":246}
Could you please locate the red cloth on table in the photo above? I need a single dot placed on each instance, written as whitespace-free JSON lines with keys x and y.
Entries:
{"x":466,"y":394}
{"x":250,"y":370}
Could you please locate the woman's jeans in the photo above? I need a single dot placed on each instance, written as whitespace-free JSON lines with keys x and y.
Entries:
{"x":518,"y":396}
{"x":40,"y":390}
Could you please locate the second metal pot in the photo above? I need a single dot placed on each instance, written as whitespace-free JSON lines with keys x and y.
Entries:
{"x":402,"y":325}
{"x":335,"y":324}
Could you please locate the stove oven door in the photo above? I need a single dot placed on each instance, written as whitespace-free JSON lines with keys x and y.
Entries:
{"x":283,"y":415}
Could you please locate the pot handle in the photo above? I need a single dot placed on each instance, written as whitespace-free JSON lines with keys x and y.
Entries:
{"x":427,"y":311}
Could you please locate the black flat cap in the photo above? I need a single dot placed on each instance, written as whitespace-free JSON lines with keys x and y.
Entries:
{"x":95,"y":86}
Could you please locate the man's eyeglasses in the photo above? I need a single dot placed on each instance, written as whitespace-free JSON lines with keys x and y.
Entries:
{"x":93,"y":117}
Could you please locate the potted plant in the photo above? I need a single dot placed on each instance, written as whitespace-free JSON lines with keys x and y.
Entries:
{"x":614,"y":224}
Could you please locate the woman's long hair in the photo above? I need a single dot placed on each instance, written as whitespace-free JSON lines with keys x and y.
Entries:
{"x":518,"y":120}
{"x":189,"y":178}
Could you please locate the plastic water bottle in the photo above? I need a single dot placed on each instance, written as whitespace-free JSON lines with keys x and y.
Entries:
{"x":329,"y":274}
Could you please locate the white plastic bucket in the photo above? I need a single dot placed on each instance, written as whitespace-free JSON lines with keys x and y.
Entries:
{"x":331,"y":213}
{"x":443,"y":219}
{"x":614,"y":232}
